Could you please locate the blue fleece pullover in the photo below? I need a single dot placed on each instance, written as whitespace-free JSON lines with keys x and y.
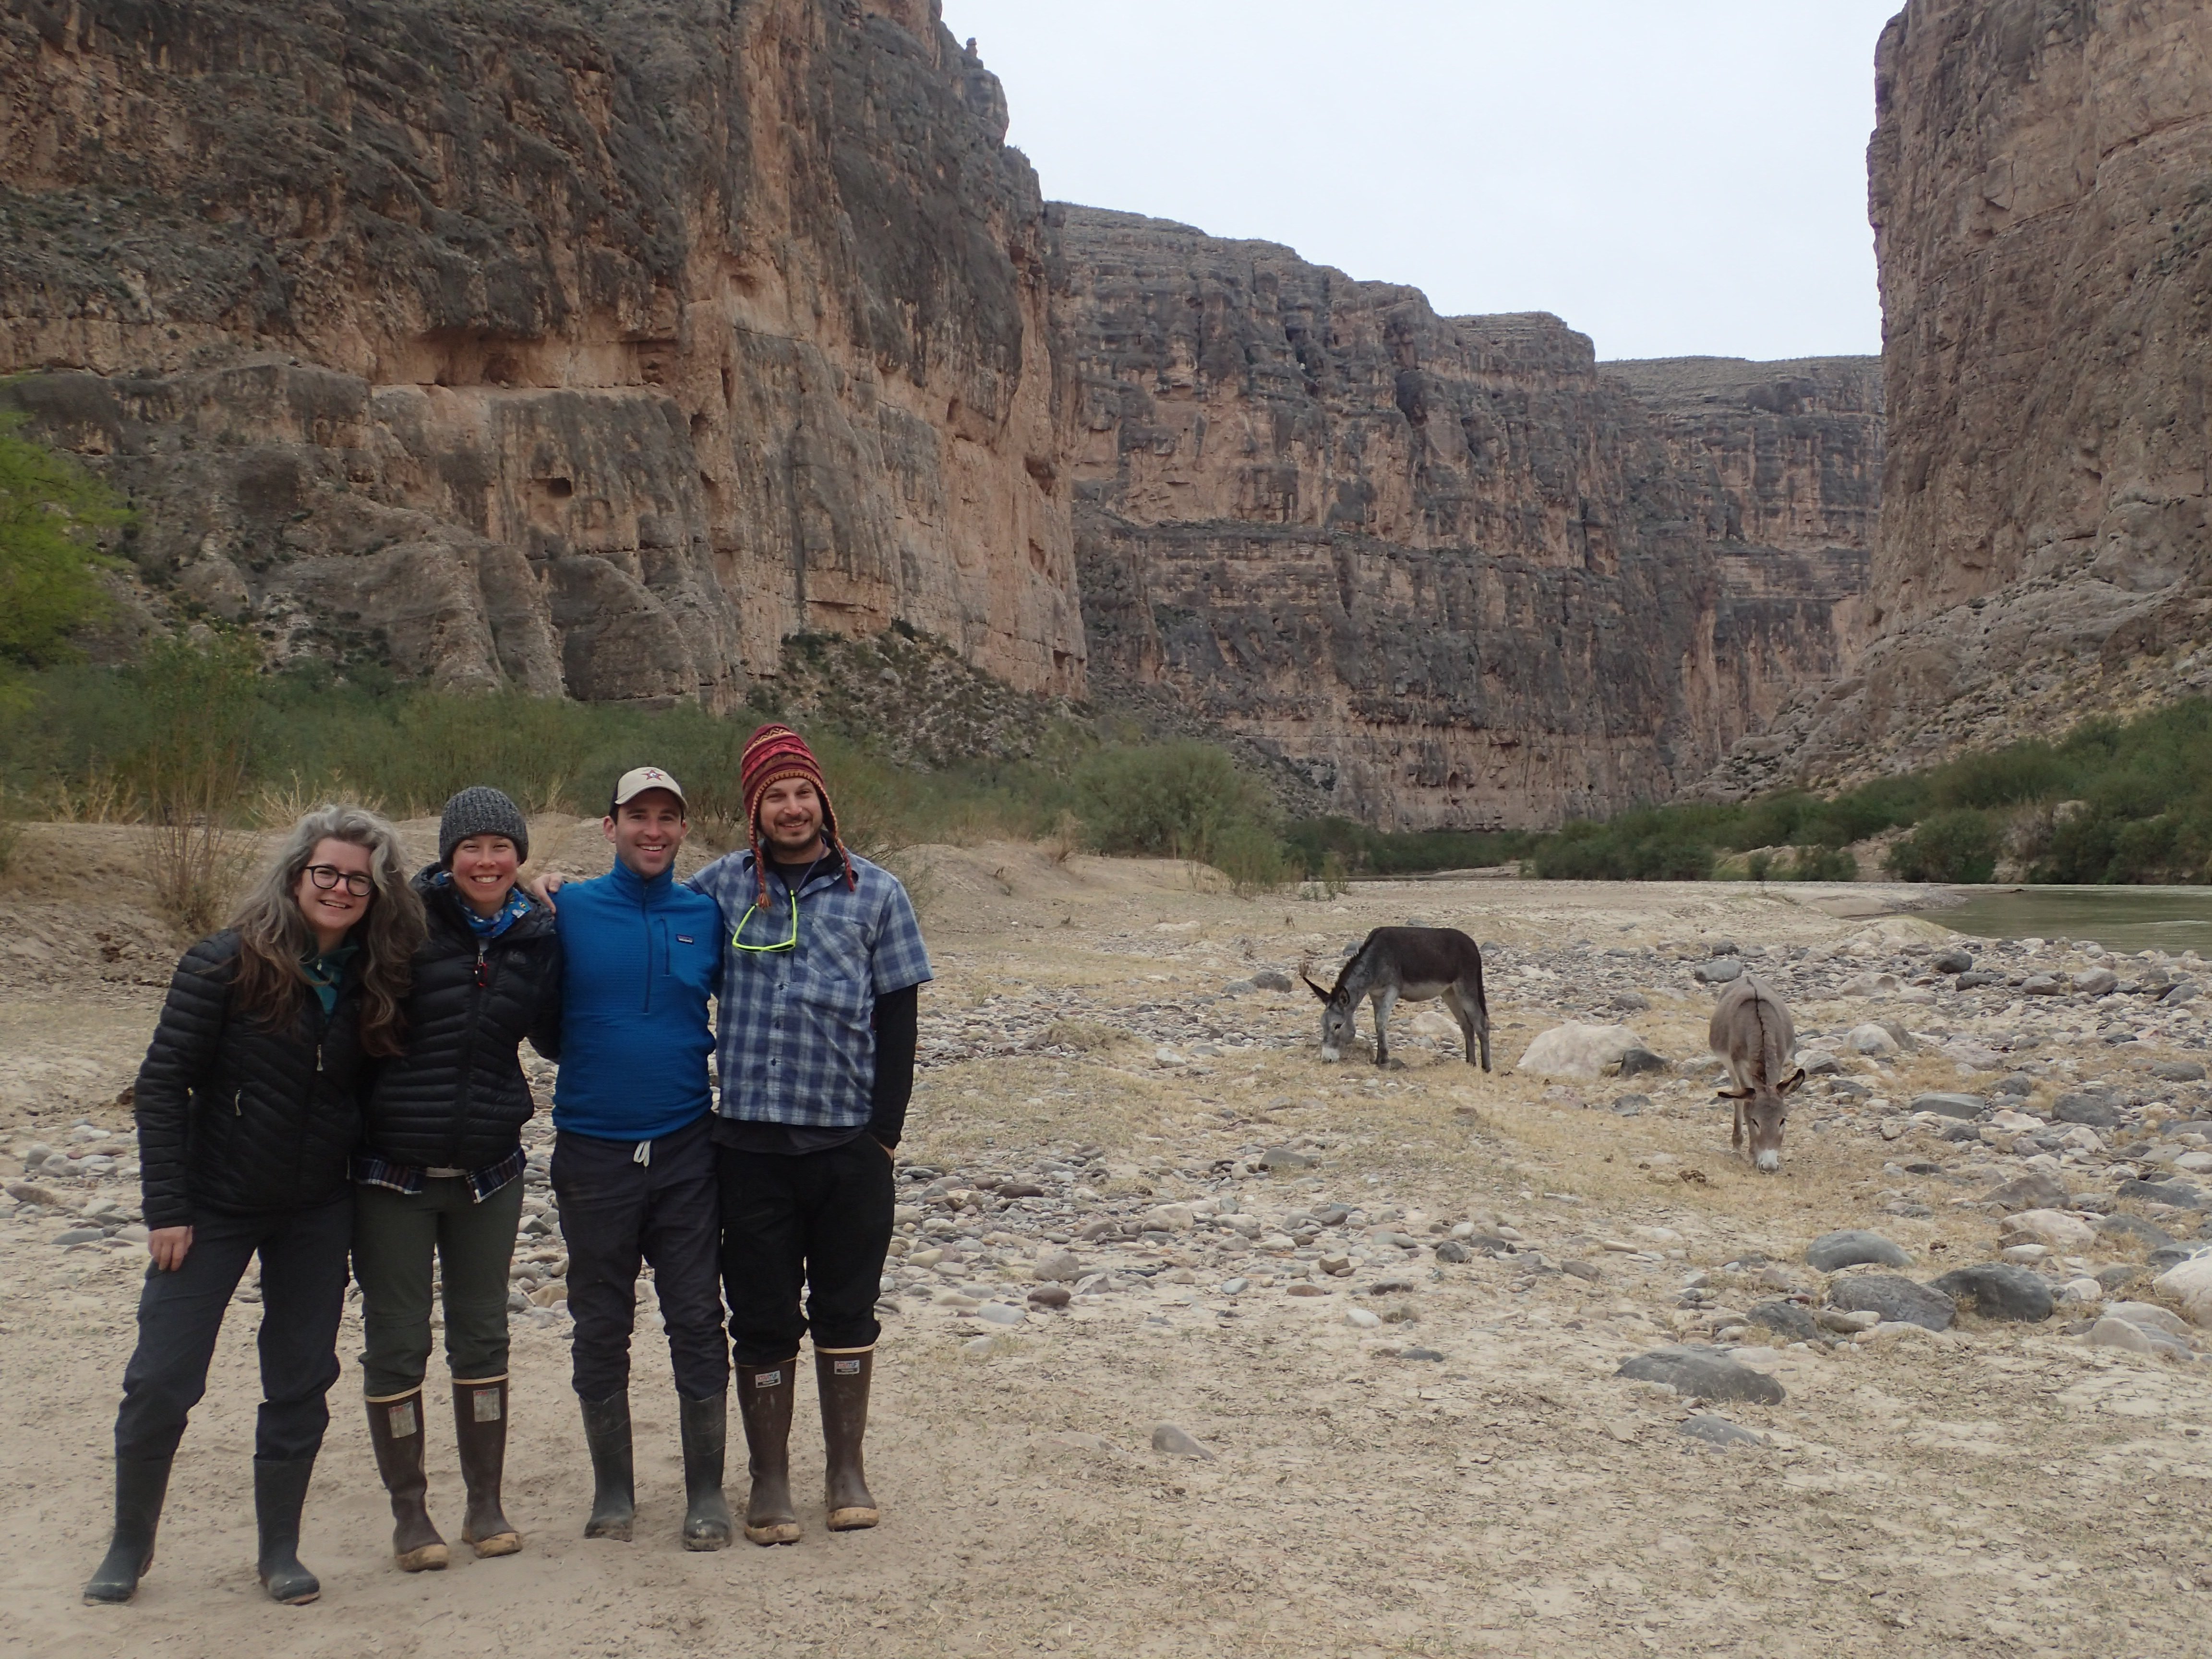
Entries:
{"x":642,"y":958}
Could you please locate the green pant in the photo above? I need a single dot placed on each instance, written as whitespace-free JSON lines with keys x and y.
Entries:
{"x":393,"y":1235}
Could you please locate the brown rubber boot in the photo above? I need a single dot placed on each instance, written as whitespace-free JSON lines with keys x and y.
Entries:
{"x":480,"y":1429}
{"x":765,"y":1393}
{"x":395,"y":1430}
{"x":841,"y":1376}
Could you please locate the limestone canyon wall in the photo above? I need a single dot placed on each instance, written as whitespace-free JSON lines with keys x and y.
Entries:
{"x":2040,"y":181}
{"x":1452,"y":569}
{"x":587,"y":350}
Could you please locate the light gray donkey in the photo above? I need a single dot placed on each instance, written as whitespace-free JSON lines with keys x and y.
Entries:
{"x":1753,"y":1033}
{"x":1415,"y":964}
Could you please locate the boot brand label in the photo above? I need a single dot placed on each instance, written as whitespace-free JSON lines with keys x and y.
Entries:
{"x":768,"y":1380}
{"x":402,"y":1420}
{"x":844,"y":1368}
{"x":486,"y":1404}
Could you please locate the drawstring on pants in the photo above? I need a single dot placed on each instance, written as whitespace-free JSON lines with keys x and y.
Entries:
{"x":643,"y":1156}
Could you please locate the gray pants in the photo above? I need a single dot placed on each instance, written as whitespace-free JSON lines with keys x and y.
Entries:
{"x":394,"y":1235}
{"x":616,"y":1213}
{"x":303,"y":1280}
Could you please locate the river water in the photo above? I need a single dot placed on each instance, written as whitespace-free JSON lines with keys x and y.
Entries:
{"x":2170,"y":919}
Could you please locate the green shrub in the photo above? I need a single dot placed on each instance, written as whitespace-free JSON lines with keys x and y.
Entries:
{"x":1824,"y":863}
{"x":1959,"y":845}
{"x":51,"y":509}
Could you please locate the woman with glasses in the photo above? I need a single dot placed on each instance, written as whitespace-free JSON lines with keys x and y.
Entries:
{"x":248,"y":1109}
{"x":441,"y":1170}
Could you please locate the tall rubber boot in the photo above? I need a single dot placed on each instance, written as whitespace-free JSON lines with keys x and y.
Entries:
{"x":841,"y":1376}
{"x":706,"y":1426}
{"x":280,"y":1492}
{"x":614,"y":1486}
{"x":480,"y":1432}
{"x":765,"y":1395}
{"x":141,"y":1483}
{"x":395,"y":1431}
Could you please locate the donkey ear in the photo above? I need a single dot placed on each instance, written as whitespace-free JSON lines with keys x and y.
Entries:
{"x":1314,"y":988}
{"x":1732,"y":1094}
{"x":1796,"y":1080}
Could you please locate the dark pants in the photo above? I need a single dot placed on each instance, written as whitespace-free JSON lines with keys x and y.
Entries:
{"x":393,"y":1237}
{"x":616,"y":1213}
{"x":303,"y":1281}
{"x":817,"y":1222}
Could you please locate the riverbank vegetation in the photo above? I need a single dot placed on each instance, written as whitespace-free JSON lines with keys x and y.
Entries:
{"x":196,"y":737}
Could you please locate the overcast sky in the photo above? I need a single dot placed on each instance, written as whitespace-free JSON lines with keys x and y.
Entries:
{"x":1671,"y":179}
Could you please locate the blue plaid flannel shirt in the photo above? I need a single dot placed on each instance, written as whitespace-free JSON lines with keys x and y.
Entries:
{"x":798,"y":1038}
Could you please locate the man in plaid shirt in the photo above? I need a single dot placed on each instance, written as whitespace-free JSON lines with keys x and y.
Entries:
{"x":822,"y":962}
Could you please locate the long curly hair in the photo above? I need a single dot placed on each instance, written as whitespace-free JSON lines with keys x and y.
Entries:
{"x":275,"y":941}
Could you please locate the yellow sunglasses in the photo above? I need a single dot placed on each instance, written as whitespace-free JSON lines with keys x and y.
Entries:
{"x":737,"y":938}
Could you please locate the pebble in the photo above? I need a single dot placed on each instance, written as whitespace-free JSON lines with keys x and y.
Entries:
{"x":2124,"y":1334}
{"x":1454,"y":1250}
{"x":1720,"y":971}
{"x":1286,"y":1158}
{"x":1235,"y":1286}
{"x":1305,"y":1287}
{"x":1418,"y":1353}
{"x":78,"y":1235}
{"x":2096,"y":981}
{"x":1178,"y":1442}
{"x":1050,"y":1295}
{"x":2061,"y":1231}
{"x":2094,"y":1110}
{"x":1836,"y":1318}
{"x":980,"y":1347}
{"x":2149,"y":1315}
{"x":1853,"y":1247}
{"x":1362,"y":1318}
{"x":2178,"y":1071}
{"x":1695,"y":1371}
{"x":1897,"y":1300}
{"x":1873,"y":1040}
{"x":1718,"y":1431}
{"x":1949,"y":1105}
{"x":1787,"y":1319}
{"x":1999,"y":1289}
{"x":2036,"y":1190}
{"x":1952,"y":962}
{"x":2042,"y":985}
{"x":1059,"y":1267}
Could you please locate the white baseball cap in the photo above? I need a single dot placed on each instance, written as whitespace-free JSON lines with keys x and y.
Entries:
{"x":639,"y":779}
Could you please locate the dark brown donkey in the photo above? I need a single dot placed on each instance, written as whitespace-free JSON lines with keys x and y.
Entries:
{"x":1414,"y":965}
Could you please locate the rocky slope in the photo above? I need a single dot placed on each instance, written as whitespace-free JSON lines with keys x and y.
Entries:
{"x":2040,"y":181}
{"x":1451,"y":569}
{"x":591,"y":351}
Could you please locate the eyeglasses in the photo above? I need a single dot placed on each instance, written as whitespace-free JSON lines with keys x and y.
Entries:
{"x":328,"y":876}
{"x":737,"y":938}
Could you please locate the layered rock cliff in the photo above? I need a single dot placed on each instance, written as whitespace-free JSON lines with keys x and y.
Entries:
{"x":592,"y":350}
{"x":1452,"y":569}
{"x":2040,"y":182}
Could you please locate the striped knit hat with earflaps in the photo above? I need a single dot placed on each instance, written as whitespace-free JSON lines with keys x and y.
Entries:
{"x":772,"y":755}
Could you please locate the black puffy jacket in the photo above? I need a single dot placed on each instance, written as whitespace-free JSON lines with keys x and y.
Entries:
{"x":457,"y":1099}
{"x":237,"y":1115}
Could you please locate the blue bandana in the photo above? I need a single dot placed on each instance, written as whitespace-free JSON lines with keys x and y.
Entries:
{"x":490,"y":927}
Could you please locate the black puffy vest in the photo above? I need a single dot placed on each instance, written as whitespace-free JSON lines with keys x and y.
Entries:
{"x":457,"y":1098}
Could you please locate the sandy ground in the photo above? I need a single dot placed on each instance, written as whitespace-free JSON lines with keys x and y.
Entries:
{"x":2002,"y":1491}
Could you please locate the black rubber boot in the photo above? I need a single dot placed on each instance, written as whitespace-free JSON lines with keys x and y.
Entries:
{"x":706,"y":1425}
{"x":280,"y":1492}
{"x":141,"y":1483}
{"x":480,"y":1432}
{"x":765,"y":1395}
{"x":614,"y":1485}
{"x":841,"y":1377}
{"x":395,"y":1431}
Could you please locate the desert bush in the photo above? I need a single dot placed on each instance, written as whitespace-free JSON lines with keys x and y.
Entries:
{"x":1823,"y":864}
{"x":189,"y":768}
{"x":1959,"y":845}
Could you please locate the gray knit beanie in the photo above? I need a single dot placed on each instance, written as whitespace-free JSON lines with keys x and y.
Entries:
{"x":481,"y":810}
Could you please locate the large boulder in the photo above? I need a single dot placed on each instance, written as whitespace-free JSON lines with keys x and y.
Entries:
{"x":1575,"y":1050}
